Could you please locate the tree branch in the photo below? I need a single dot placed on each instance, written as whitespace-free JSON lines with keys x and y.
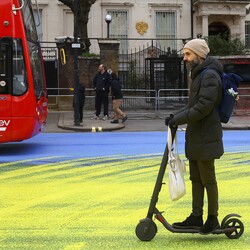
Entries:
{"x":69,"y":3}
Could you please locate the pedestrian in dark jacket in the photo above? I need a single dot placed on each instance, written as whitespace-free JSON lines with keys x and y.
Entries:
{"x":203,"y":134}
{"x":117,"y":97}
{"x":101,"y":84}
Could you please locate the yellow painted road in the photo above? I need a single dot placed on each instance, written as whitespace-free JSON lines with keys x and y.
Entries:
{"x":96,"y":203}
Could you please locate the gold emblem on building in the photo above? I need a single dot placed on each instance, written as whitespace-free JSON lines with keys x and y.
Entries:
{"x":141,"y":27}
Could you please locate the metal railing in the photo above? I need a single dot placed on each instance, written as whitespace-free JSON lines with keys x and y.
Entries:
{"x":140,"y":100}
{"x":134,"y":100}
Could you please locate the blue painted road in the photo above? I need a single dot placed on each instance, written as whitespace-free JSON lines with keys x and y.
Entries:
{"x":84,"y":145}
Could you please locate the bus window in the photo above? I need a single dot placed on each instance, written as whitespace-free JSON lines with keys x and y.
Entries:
{"x":34,"y":50}
{"x":37,"y":70}
{"x":20,"y":85}
{"x":3,"y":68}
{"x":29,"y":22}
{"x":5,"y":65}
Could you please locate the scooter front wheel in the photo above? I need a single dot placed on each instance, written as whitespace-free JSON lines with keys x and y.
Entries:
{"x":238,"y":227}
{"x":146,"y":230}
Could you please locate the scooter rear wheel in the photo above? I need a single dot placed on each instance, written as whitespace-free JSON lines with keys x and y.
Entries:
{"x":237,"y":224}
{"x":146,"y":230}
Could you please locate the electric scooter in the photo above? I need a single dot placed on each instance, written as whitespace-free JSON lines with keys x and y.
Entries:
{"x":146,"y":229}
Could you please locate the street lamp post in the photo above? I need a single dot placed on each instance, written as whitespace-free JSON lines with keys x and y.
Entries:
{"x":192,"y":17}
{"x":75,"y":47}
{"x":108,"y":20}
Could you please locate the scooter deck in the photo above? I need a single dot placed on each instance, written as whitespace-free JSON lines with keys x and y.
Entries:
{"x":196,"y":230}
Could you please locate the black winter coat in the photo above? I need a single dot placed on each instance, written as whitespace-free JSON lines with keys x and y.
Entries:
{"x":101,"y":82}
{"x":116,"y":90}
{"x":204,"y":130}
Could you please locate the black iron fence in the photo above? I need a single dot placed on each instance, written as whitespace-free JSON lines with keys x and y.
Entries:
{"x":144,"y":65}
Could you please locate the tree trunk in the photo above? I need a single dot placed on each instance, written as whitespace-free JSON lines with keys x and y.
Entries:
{"x":82,"y":17}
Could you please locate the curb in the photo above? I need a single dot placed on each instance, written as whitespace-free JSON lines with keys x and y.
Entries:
{"x":65,"y":122}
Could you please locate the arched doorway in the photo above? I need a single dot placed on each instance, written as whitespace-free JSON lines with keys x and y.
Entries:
{"x":218,"y":29}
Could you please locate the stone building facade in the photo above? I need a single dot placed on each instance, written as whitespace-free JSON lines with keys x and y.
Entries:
{"x":142,"y":20}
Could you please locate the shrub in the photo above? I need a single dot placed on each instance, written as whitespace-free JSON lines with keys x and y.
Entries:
{"x":221,"y":46}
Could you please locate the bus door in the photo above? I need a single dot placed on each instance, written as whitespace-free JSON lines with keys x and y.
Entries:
{"x":5,"y":88}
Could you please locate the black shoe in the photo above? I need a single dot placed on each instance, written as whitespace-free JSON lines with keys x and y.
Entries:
{"x":124,"y":119}
{"x":210,"y":225}
{"x":191,"y":222}
{"x":114,"y":121}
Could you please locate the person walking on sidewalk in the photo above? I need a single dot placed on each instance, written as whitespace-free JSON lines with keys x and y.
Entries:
{"x":101,"y":84}
{"x":117,"y":97}
{"x":203,"y":133}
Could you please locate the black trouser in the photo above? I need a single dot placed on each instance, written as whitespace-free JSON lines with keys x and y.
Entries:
{"x":101,"y":98}
{"x":202,"y":175}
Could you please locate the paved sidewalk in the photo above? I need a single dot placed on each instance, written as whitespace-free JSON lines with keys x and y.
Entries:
{"x":238,"y":123}
{"x":134,"y":123}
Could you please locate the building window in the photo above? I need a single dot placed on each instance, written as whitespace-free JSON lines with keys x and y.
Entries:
{"x":119,"y":27}
{"x":165,"y":28}
{"x":247,"y":34}
{"x":68,"y":23}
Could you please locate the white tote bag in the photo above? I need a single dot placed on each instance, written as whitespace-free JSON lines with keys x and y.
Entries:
{"x":176,"y":168}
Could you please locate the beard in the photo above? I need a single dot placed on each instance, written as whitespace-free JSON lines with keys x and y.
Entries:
{"x":192,"y":64}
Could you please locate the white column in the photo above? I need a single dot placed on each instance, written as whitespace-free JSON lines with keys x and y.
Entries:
{"x":242,"y":28}
{"x":204,"y":26}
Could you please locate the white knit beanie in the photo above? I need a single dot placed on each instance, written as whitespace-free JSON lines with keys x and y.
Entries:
{"x":198,"y":46}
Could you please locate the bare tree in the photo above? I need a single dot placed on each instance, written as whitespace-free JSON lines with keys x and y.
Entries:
{"x":82,"y":17}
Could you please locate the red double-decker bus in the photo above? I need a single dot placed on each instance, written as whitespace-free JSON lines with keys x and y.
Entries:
{"x":23,"y":95}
